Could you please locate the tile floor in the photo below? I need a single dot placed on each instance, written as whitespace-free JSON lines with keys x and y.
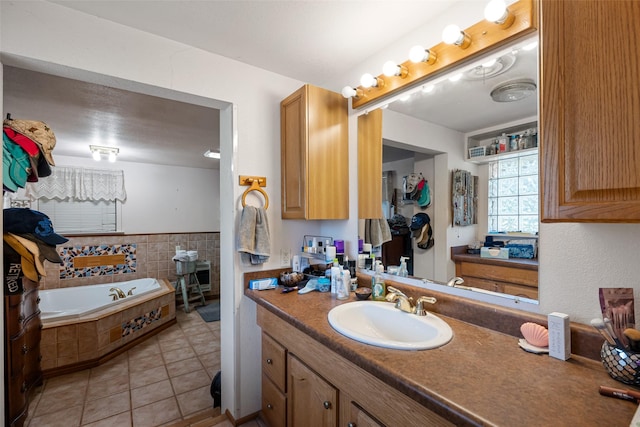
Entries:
{"x":161,"y":381}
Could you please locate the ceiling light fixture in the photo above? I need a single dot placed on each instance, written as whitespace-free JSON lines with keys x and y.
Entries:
{"x":368,"y":80}
{"x":391,"y":69}
{"x":513,"y":91}
{"x":420,"y":54}
{"x":497,"y":12}
{"x":350,"y":92}
{"x":98,"y":151}
{"x":211,"y":154}
{"x":452,"y":34}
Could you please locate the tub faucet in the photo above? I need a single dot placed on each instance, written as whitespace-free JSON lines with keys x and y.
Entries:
{"x":118,"y":291}
{"x":131,"y":291}
{"x":114,"y":297}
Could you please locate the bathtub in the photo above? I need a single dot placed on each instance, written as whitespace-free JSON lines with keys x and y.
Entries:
{"x":83,"y":327}
{"x":68,"y":303}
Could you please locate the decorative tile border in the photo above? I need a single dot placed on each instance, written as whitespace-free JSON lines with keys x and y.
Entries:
{"x":140,"y":322}
{"x":101,"y":252}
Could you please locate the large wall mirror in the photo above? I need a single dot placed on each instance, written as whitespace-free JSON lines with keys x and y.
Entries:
{"x":452,"y":122}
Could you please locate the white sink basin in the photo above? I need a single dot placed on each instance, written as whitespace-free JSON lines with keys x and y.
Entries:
{"x":383,"y":325}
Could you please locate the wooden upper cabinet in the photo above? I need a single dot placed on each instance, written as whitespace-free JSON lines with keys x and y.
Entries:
{"x":314,"y":154}
{"x":590,"y":111}
{"x":370,"y":165}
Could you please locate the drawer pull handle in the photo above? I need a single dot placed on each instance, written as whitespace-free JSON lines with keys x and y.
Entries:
{"x":326,"y":404}
{"x":38,"y":300}
{"x":269,"y":362}
{"x":23,"y":388}
{"x":25,"y":349}
{"x":269,"y":406}
{"x":351,"y":425}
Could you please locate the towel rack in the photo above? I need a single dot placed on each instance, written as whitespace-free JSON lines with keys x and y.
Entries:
{"x":255,"y":182}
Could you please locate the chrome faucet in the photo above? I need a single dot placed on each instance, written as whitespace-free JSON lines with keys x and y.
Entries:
{"x":118,"y":291}
{"x":455,"y":281}
{"x":420,"y":310}
{"x":405,"y":303}
{"x":402,"y":301}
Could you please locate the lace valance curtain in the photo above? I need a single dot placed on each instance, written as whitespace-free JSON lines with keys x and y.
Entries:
{"x":79,"y":184}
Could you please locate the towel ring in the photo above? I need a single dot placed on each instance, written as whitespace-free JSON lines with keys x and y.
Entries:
{"x":255,"y":186}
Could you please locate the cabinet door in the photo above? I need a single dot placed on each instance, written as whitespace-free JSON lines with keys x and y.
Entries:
{"x":312,"y":402}
{"x":370,"y":165}
{"x":590,"y":101}
{"x":293,"y":154}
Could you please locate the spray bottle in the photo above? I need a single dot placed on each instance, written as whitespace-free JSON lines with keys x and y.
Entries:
{"x":378,"y":291}
{"x":403,"y":272}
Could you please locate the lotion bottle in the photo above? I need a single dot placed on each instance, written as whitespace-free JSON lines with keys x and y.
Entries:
{"x":335,"y":276}
{"x":343,"y":285}
{"x":378,"y":291}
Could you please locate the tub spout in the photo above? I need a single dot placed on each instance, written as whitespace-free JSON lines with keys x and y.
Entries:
{"x":118,"y":291}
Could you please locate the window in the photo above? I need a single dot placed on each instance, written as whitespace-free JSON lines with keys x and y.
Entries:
{"x":86,"y":216}
{"x":513,"y":194}
{"x":80,"y":200}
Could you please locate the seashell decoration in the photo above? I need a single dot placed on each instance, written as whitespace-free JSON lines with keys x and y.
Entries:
{"x":535,"y":334}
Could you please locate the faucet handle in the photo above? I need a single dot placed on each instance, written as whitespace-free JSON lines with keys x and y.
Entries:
{"x":114,"y":297}
{"x":131,"y":291}
{"x":420,"y":310}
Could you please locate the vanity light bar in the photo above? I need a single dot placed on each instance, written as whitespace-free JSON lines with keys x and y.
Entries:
{"x":430,"y":84}
{"x":476,"y":40}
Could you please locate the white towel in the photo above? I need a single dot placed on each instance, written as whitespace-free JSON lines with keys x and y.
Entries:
{"x":376,"y":231}
{"x":254,"y":242}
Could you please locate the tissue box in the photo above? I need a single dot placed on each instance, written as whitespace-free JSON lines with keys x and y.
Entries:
{"x":520,"y":251}
{"x":499,"y":253}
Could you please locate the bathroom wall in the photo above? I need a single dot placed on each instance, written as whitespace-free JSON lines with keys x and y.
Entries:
{"x":147,"y":255}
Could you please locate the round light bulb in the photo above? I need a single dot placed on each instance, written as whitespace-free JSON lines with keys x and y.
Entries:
{"x":112,"y":157}
{"x":390,"y":69}
{"x":455,"y":77}
{"x":96,"y":156}
{"x":452,"y":34}
{"x":367,"y":80}
{"x":530,"y":46}
{"x":418,"y":54}
{"x":405,"y":98}
{"x":496,"y":11}
{"x":348,"y":92}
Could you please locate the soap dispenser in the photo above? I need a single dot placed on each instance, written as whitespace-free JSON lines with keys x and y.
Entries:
{"x":378,"y":288}
{"x":403,"y":272}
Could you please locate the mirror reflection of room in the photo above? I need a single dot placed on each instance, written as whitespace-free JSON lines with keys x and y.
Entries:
{"x":480,"y":120}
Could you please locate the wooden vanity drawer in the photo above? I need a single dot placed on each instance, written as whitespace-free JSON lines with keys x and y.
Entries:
{"x":503,"y":274}
{"x":274,"y":361}
{"x":274,"y":404}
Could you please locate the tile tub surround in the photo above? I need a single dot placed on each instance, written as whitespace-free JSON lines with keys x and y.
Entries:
{"x":481,"y":377}
{"x":73,"y":344}
{"x":153,"y":253}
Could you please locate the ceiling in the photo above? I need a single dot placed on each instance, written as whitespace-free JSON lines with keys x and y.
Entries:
{"x":312,"y":41}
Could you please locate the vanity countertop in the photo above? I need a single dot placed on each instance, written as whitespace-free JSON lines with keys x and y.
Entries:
{"x":481,"y":376}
